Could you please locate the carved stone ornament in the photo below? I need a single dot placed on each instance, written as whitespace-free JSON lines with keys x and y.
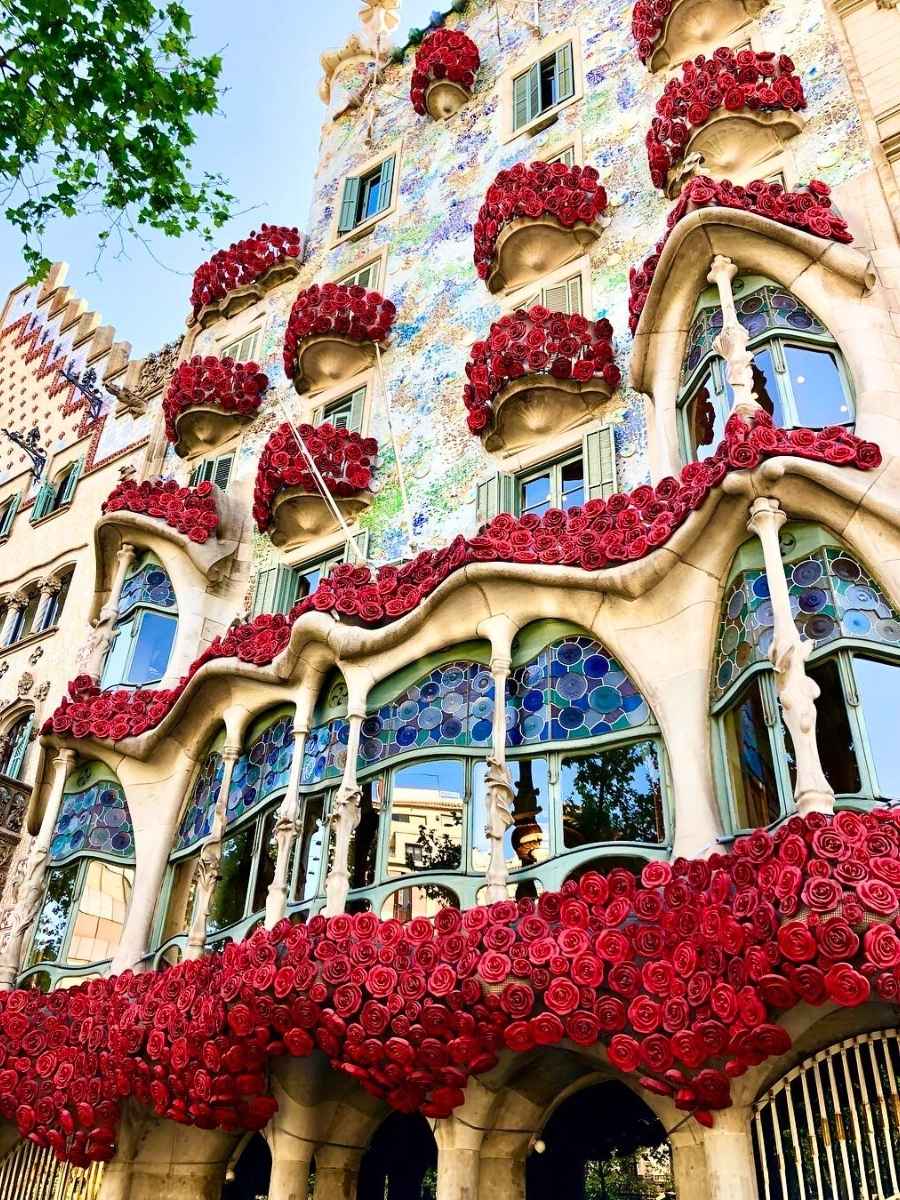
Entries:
{"x":155,"y":371}
{"x":299,"y":516}
{"x":500,"y":801}
{"x":36,"y":655}
{"x":4,"y":667}
{"x":42,"y":692}
{"x":25,"y":684}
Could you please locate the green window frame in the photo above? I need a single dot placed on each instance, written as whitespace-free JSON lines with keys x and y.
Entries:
{"x":366,"y":276}
{"x":566,"y":157}
{"x":560,"y":484}
{"x":19,"y":736}
{"x":366,"y":196}
{"x":215,"y":470}
{"x":56,"y":494}
{"x":546,"y":84}
{"x":277,"y":589}
{"x":243,"y":349}
{"x":8,"y":514}
{"x":346,"y":412}
{"x":143,"y":626}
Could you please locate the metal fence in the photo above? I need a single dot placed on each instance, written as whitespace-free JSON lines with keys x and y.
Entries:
{"x":830,"y":1129}
{"x":29,"y":1173}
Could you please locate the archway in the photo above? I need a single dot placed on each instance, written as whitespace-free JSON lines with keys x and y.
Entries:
{"x":400,"y":1162}
{"x":247,"y":1178}
{"x":602,"y":1143}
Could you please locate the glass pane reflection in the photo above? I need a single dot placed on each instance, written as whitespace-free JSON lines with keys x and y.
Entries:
{"x":877,"y":685}
{"x":50,"y":932}
{"x":612,"y":796}
{"x":230,"y":895}
{"x":527,"y":841}
{"x":265,"y":872}
{"x":765,"y":384}
{"x":705,"y":421}
{"x":363,"y":854}
{"x":312,"y":842}
{"x":100,"y":913}
{"x":409,"y":902}
{"x":426,"y":818}
{"x":817,"y":386}
{"x":748,"y":749}
{"x":833,"y":734}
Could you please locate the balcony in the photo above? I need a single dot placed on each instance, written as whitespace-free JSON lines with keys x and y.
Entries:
{"x":235,"y":278}
{"x":332,"y":334}
{"x":208,"y":399}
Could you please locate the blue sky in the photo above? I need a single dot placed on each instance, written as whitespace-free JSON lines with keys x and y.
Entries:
{"x":265,"y":141}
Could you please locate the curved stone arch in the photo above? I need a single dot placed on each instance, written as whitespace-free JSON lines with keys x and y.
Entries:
{"x":830,"y":278}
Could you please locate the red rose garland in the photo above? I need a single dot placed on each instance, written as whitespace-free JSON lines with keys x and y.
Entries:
{"x":536,"y":342}
{"x":344,"y":460}
{"x":810,"y":210}
{"x":192,"y":511}
{"x":746,"y":80}
{"x":601,"y":533}
{"x":444,"y":54}
{"x":682,"y":975}
{"x":538,"y":189}
{"x":336,"y":308}
{"x":209,"y":382}
{"x":244,"y":262}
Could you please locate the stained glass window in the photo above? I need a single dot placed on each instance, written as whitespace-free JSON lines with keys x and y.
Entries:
{"x":150,"y":584}
{"x":831,"y":597}
{"x":93,"y":820}
{"x":325,"y":752}
{"x":197,"y":820}
{"x":262,"y":769}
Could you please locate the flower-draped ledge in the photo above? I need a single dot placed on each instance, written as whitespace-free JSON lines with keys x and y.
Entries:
{"x":744,"y":82}
{"x":681,"y":975}
{"x":332,"y":332}
{"x":555,"y":206}
{"x":529,"y":344}
{"x":444,"y":73}
{"x":190,"y":510}
{"x":232,"y":388}
{"x":343,"y":458}
{"x":809,"y":210}
{"x":597,"y":535}
{"x":244,"y":262}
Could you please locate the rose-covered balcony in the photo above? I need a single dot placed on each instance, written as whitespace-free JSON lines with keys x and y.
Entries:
{"x":208,"y":399}
{"x":673,"y":31}
{"x":288,"y":503}
{"x":444,"y":74}
{"x":538,"y":373}
{"x":235,"y":278}
{"x":332,"y":334}
{"x":733,"y":110}
{"x":536,"y":218}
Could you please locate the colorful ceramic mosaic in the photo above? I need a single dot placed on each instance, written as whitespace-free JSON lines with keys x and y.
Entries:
{"x":262,"y":769}
{"x":453,"y":706}
{"x":573,"y":689}
{"x":150,"y":584}
{"x":325,"y":752}
{"x":831,"y":597}
{"x":93,"y":821}
{"x":197,"y":820}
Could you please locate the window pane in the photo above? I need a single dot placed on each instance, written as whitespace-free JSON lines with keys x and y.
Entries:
{"x":527,"y":840}
{"x":705,"y":424}
{"x":427,"y":817}
{"x":114,"y":667}
{"x":613,"y":795}
{"x":409,"y":902}
{"x":750,"y":764}
{"x":363,"y":855}
{"x":308,"y":581}
{"x":536,"y":495}
{"x":29,"y":612}
{"x":265,"y":872}
{"x":833,"y":736}
{"x":817,"y":386}
{"x":548,"y":82}
{"x":50,"y":932}
{"x":765,"y":384}
{"x":572,"y":483}
{"x":152,"y":649}
{"x":338,"y":414}
{"x":181,"y":898}
{"x":100,"y":914}
{"x":371,"y":189}
{"x":877,"y":683}
{"x":230,"y":895}
{"x":309,"y":863}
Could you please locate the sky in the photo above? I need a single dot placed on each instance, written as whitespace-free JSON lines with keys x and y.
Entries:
{"x":264,"y":141}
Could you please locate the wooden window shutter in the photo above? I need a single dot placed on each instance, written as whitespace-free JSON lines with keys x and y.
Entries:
{"x":349,"y":205}
{"x":71,"y":483}
{"x":221,"y":471}
{"x":361,"y":541}
{"x":527,"y":96}
{"x":565,"y":73}
{"x":274,"y":590}
{"x":495,"y":495}
{"x":195,"y":475}
{"x":575,"y":300}
{"x":357,"y":406}
{"x":600,"y":463}
{"x":9,"y":515}
{"x":386,"y":186}
{"x":42,"y":501}
{"x":556,"y":298}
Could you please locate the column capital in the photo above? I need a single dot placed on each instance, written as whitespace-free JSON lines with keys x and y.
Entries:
{"x":765,"y":513}
{"x":50,"y":586}
{"x":17,"y":600}
{"x":65,"y":757}
{"x":721,"y":270}
{"x":126,"y":552}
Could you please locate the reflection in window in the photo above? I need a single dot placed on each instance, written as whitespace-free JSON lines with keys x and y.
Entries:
{"x":230,"y":895}
{"x":834,"y":738}
{"x":750,"y":763}
{"x":426,"y":817}
{"x":527,"y":841}
{"x":52,"y":924}
{"x":265,"y":871}
{"x":182,"y":891}
{"x":817,"y":387}
{"x":145,"y":630}
{"x":409,"y":902}
{"x":363,"y":854}
{"x":614,"y":795}
{"x":309,"y":855}
{"x":100,"y":914}
{"x":876,"y":683}
{"x":16,"y":746}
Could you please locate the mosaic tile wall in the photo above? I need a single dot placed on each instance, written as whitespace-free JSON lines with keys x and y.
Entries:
{"x":444,"y":173}
{"x":831,"y":597}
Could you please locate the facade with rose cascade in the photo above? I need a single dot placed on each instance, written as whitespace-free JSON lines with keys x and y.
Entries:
{"x":480,"y":775}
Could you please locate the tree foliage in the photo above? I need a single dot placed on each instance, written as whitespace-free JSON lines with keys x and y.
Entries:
{"x":615,"y":796}
{"x":96,"y":103}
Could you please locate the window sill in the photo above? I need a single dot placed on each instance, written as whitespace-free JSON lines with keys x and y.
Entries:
{"x":542,"y":121}
{"x":63,"y":508}
{"x":358,"y":232}
{"x":30,"y":640}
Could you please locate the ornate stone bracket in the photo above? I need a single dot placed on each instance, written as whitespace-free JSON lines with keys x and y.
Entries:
{"x":788,"y":654}
{"x":287,"y":830}
{"x":345,"y":814}
{"x":731,"y":342}
{"x":208,"y":873}
{"x":92,"y":653}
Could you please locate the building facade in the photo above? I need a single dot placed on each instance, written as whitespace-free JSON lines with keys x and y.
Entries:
{"x":577,"y":391}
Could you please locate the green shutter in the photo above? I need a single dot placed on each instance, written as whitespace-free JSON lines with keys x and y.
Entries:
{"x":71,"y":484}
{"x":361,"y":541}
{"x":349,"y":205}
{"x":221,"y":471}
{"x":386,"y":187}
{"x":565,"y":74}
{"x":17,"y":753}
{"x":274,"y":591}
{"x":9,"y":515}
{"x":357,"y":405}
{"x":195,"y":475}
{"x":600,"y":463}
{"x":495,"y":495}
{"x":527,"y":96}
{"x":42,"y":501}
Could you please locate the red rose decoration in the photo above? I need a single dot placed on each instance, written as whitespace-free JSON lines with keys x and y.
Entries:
{"x":244,"y":262}
{"x":342,"y":310}
{"x":444,"y":54}
{"x":846,"y":987}
{"x":192,"y":511}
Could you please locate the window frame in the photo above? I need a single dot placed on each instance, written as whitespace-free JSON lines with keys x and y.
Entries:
{"x":134,"y":618}
{"x":355,"y":401}
{"x":207,"y":468}
{"x":521,"y":67}
{"x":362,"y":224}
{"x":254,"y":335}
{"x":373,"y":263}
{"x":554,"y":469}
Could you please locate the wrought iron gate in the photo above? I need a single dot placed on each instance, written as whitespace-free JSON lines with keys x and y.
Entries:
{"x":830,"y":1129}
{"x":29,"y":1173}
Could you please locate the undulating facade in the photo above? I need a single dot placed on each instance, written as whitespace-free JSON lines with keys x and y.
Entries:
{"x":573,"y":396}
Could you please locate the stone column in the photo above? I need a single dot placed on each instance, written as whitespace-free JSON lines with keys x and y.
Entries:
{"x":290,"y":1174}
{"x":499,"y":793}
{"x":689,"y":1162}
{"x":287,"y":829}
{"x":730,"y":1167}
{"x":336,"y":1181}
{"x":788,"y":654}
{"x":345,"y":814}
{"x":17,"y":601}
{"x":208,"y":874}
{"x":31,"y":890}
{"x":459,"y":1162}
{"x":502,"y":1178}
{"x":731,"y":342}
{"x":93,"y":652}
{"x":49,"y":589}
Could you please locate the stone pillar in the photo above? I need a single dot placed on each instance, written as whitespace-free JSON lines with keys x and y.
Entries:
{"x":49,"y":589}
{"x":689,"y":1162}
{"x":17,"y":601}
{"x":731,"y":342}
{"x":93,"y":652}
{"x":459,"y":1162}
{"x":345,"y":814}
{"x":287,"y":828}
{"x":336,"y":1182}
{"x":788,"y":654}
{"x":31,"y":890}
{"x":730,"y":1168}
{"x":499,"y":792}
{"x":210,"y":856}
{"x":502,"y":1178}
{"x":290,"y":1174}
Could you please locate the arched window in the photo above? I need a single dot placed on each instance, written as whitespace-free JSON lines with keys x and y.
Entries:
{"x":856,"y":633}
{"x":56,"y":493}
{"x":90,"y":876}
{"x":145,"y":627}
{"x":24,"y":621}
{"x":799,"y":374}
{"x":56,"y":603}
{"x":15,"y":746}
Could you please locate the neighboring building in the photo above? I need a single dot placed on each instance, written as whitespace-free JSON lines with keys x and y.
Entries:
{"x":285,"y":703}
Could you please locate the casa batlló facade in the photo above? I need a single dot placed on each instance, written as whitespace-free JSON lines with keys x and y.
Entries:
{"x":478,"y":773}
